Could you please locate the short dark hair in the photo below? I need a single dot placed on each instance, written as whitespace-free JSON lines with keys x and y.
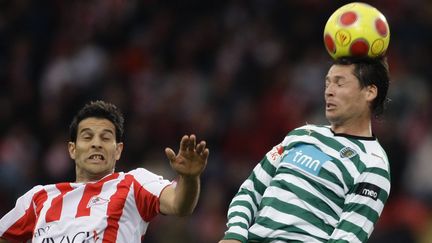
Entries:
{"x":98,"y":109}
{"x":371,"y":71}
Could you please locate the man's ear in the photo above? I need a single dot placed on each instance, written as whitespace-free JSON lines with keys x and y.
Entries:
{"x":119,"y":149}
{"x":71,"y":149}
{"x":371,"y":92}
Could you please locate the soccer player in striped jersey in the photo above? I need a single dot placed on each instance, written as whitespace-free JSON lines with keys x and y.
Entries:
{"x":103,"y":205}
{"x":324,"y":183}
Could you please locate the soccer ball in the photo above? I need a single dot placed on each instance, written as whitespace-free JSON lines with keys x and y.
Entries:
{"x":356,"y":29}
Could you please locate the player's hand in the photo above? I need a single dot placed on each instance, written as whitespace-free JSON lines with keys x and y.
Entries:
{"x":191,"y":158}
{"x":229,"y":241}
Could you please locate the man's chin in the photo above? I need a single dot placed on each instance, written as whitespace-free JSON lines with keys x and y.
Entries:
{"x":332,"y":118}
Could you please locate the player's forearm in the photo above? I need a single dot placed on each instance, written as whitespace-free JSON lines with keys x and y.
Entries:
{"x":186,"y":195}
{"x":3,"y":240}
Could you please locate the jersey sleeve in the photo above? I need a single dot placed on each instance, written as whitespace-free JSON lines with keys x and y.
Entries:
{"x":147,"y":189}
{"x":18,"y":224}
{"x":363,"y":206}
{"x":245,"y":203}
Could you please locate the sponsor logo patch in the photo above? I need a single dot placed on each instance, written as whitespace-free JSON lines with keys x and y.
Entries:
{"x":368,"y":190}
{"x":307,"y":157}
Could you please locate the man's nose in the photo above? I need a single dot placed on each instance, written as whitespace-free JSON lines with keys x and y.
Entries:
{"x":329,"y":90}
{"x":96,"y":143}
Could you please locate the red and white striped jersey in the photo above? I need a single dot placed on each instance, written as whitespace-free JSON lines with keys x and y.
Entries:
{"x":117,"y":208}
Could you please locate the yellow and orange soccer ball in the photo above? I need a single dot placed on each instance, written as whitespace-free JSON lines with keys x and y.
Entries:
{"x":356,"y":29}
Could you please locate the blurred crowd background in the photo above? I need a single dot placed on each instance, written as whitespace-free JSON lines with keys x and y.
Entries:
{"x":238,"y":73}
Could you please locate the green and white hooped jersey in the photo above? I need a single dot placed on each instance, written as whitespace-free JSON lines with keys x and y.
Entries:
{"x":316,"y":186}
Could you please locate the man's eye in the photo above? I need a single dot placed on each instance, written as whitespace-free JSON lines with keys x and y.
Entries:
{"x":107,"y":137}
{"x":86,"y":136}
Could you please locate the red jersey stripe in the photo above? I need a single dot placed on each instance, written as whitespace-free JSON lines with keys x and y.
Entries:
{"x":91,"y":190}
{"x":22,"y":229}
{"x":147,"y":203}
{"x":54,"y":212}
{"x":115,"y":209}
{"x":39,"y":199}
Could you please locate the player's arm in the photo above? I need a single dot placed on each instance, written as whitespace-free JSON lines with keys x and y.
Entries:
{"x":181,"y":198}
{"x":244,"y":205}
{"x":363,"y":206}
{"x":3,"y":240}
{"x":18,"y":224}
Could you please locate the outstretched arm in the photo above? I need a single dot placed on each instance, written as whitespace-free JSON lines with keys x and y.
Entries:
{"x":244,"y":206}
{"x":181,"y":198}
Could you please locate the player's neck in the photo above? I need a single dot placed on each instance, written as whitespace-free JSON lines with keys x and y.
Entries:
{"x":361,"y":128}
{"x":85,"y":178}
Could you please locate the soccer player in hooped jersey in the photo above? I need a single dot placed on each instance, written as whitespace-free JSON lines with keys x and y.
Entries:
{"x":322,"y":183}
{"x":104,"y":205}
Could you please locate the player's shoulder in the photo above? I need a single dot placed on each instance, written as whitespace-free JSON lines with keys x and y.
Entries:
{"x":28,"y":196}
{"x":305,"y":133}
{"x":143,"y":175}
{"x":308,"y":128}
{"x":378,"y":156}
{"x":36,"y":189}
{"x":138,"y":171}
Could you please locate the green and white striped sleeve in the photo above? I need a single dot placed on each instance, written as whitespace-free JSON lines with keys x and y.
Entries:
{"x":243,"y":207}
{"x":363,"y":206}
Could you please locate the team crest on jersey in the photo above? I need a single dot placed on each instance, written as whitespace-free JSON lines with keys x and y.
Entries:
{"x":347,"y":152}
{"x":96,"y":200}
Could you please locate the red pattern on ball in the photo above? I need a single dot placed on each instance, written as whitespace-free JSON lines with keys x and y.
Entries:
{"x":348,"y":18}
{"x":329,"y":43}
{"x":359,"y":47}
{"x":381,"y":27}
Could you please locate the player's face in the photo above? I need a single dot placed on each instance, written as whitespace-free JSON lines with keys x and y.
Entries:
{"x":346,"y":101}
{"x":95,"y":151}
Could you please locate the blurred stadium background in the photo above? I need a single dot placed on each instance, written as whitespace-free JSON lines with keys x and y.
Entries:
{"x":238,"y":73}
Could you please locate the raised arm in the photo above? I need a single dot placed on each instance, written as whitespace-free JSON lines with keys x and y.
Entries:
{"x":181,"y":198}
{"x":243,"y":207}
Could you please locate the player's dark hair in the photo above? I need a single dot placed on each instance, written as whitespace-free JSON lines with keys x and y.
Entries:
{"x":371,"y":71}
{"x":98,"y":109}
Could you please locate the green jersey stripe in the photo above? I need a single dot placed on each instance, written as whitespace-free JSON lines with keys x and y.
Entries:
{"x":258,"y":185}
{"x":235,"y":236}
{"x":304,"y":192}
{"x":331,"y":177}
{"x":361,"y":209}
{"x":297,"y":211}
{"x":282,"y":226}
{"x":241,"y":225}
{"x":268,"y":167}
{"x":243,"y":203}
{"x":355,"y":229}
{"x":308,"y":198}
{"x":294,"y":238}
{"x":378,"y":171}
